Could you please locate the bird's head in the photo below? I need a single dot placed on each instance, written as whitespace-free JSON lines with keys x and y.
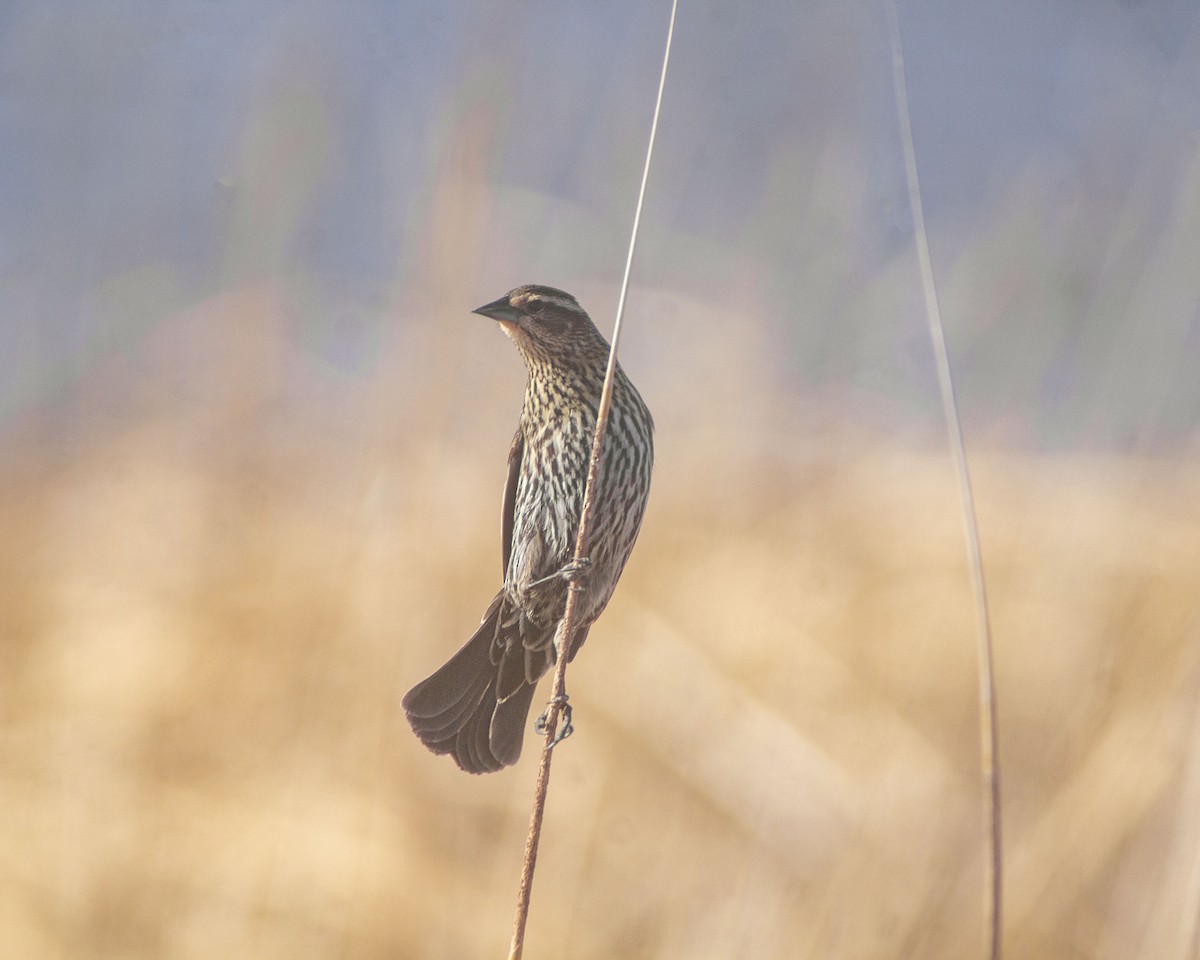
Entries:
{"x":545,"y":323}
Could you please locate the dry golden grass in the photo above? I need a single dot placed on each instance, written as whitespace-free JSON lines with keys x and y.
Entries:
{"x":203,"y":753}
{"x":215,"y":589}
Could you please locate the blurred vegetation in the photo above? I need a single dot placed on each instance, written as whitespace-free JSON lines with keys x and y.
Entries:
{"x":252,"y":444}
{"x":209,"y":620}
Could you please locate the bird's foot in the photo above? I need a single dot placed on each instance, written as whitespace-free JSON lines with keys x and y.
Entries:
{"x":541,"y":725}
{"x":572,"y":571}
{"x":576,"y":569}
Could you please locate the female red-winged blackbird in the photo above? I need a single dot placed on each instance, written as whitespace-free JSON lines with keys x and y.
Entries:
{"x":475,"y":706}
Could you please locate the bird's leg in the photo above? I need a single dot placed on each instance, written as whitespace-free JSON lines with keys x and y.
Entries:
{"x":572,"y":571}
{"x":575,"y":569}
{"x":542,"y":723}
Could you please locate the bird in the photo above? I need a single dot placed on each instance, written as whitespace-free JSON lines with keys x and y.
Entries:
{"x":476,"y":705}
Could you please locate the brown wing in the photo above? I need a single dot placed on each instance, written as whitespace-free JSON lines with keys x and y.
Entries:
{"x":515,"y":452}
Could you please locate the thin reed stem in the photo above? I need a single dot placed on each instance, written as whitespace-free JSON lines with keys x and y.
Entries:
{"x":989,"y":760}
{"x":567,"y":627}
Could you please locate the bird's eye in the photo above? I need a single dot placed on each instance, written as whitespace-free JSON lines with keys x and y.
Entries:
{"x":534,"y":307}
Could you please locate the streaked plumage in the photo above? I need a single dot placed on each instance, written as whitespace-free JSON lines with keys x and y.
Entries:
{"x":476,"y":705}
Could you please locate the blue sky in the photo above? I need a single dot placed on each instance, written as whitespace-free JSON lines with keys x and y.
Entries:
{"x":189,"y":148}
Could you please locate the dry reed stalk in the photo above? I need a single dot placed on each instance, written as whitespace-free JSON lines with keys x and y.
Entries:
{"x":989,"y":761}
{"x":567,"y":627}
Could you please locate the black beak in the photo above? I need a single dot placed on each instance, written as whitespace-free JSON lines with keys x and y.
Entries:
{"x":500,"y":310}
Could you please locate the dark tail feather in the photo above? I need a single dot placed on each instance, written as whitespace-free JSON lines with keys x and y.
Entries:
{"x":452,"y":692}
{"x":508,"y":725}
{"x":455,"y":710}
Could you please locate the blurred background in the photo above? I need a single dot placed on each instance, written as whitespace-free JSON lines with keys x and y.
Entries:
{"x":252,"y":443}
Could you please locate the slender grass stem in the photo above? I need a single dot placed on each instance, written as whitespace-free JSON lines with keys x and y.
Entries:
{"x":567,"y":627}
{"x":989,"y":760}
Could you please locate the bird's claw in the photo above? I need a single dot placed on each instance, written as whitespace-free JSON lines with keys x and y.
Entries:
{"x":541,"y":725}
{"x":571,"y":572}
{"x":575,"y":569}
